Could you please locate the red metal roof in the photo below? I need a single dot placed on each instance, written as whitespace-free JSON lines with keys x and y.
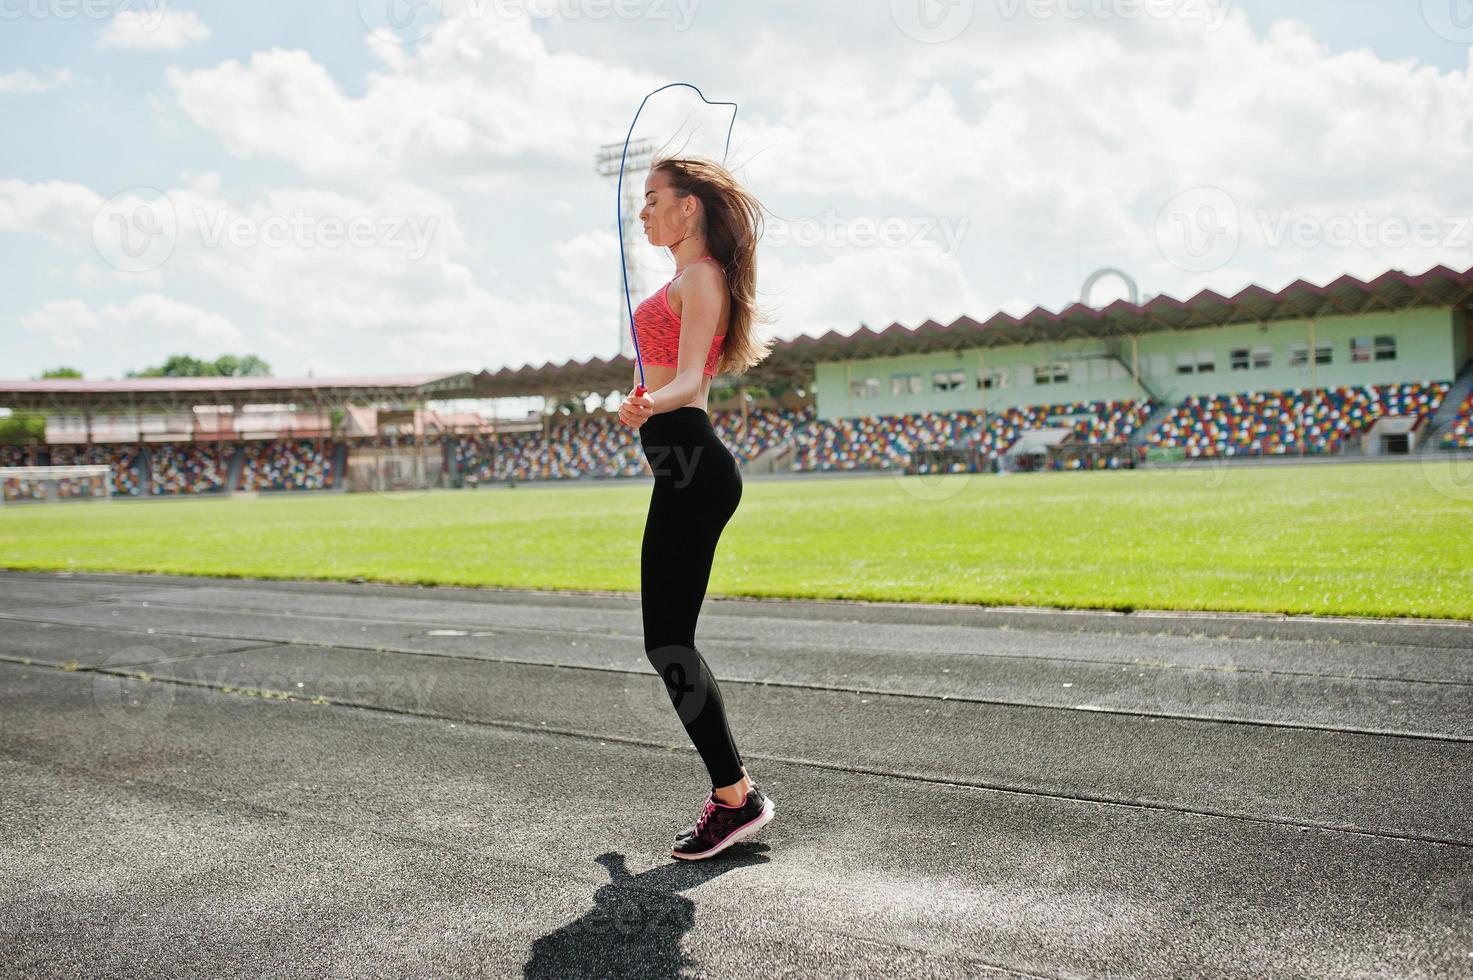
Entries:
{"x":1392,"y":290}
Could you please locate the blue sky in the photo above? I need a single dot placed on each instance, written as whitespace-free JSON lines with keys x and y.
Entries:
{"x":1010,"y":156}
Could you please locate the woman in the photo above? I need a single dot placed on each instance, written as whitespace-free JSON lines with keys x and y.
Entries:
{"x":699,"y":324}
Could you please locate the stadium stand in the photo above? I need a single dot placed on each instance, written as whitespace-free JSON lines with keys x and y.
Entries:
{"x":287,"y":464}
{"x":1460,"y":434}
{"x":182,"y":468}
{"x":14,"y":456}
{"x":15,"y":488}
{"x":1296,"y":420}
{"x":876,"y":442}
{"x":602,"y":446}
{"x":888,"y":441}
{"x":765,"y":428}
{"x":124,"y":461}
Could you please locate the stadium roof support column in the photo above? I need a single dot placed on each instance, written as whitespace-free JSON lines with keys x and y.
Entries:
{"x":1135,"y":367}
{"x":1314,"y":355}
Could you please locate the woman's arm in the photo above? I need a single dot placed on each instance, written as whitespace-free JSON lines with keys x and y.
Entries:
{"x":701,"y":295}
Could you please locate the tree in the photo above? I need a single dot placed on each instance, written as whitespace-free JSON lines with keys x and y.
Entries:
{"x":246,"y":366}
{"x":22,"y":427}
{"x":60,"y":372}
{"x":226,"y":365}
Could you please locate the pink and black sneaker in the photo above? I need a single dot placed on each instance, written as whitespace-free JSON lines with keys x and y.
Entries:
{"x":691,"y":830}
{"x":720,"y":826}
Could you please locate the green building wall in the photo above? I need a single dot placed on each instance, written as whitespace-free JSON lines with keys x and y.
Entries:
{"x":1431,"y":344}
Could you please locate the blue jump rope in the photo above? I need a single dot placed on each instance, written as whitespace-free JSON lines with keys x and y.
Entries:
{"x":640,"y":389}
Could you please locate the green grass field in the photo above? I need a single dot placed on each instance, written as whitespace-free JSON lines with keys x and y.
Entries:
{"x":1389,"y":539}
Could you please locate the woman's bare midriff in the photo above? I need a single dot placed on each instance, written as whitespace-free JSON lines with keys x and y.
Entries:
{"x":658,"y":376}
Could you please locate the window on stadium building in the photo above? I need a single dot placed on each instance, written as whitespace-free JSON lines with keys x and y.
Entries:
{"x":1206,"y":361}
{"x":993,"y":378}
{"x":865,"y":388}
{"x":1185,"y":361}
{"x":905,"y":384}
{"x":1056,"y":372}
{"x":1379,"y":348}
{"x":948,"y":380}
{"x":1242,"y":359}
{"x":1299,"y":353}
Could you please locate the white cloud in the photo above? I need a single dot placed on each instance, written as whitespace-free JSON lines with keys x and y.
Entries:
{"x":155,"y":28}
{"x":149,"y":322}
{"x":56,"y":210}
{"x":483,"y":102}
{"x":28,"y":83}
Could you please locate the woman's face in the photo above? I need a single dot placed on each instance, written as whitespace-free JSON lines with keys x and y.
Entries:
{"x":664,"y":214}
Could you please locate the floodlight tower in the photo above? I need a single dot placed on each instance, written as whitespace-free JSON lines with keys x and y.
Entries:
{"x":636,"y":163}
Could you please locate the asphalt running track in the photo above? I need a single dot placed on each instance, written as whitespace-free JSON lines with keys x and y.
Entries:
{"x":282,"y":779}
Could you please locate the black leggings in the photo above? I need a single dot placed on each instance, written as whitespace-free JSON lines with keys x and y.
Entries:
{"x":697,"y":489}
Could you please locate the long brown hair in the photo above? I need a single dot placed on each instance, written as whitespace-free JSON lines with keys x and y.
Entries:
{"x":732,"y":223}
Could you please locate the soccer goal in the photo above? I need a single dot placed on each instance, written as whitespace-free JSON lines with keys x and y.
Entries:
{"x":29,"y":484}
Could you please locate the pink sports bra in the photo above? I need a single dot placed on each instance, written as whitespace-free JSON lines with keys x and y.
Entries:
{"x":658,"y":329}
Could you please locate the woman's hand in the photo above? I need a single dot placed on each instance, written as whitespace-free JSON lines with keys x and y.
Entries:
{"x":636,"y":409}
